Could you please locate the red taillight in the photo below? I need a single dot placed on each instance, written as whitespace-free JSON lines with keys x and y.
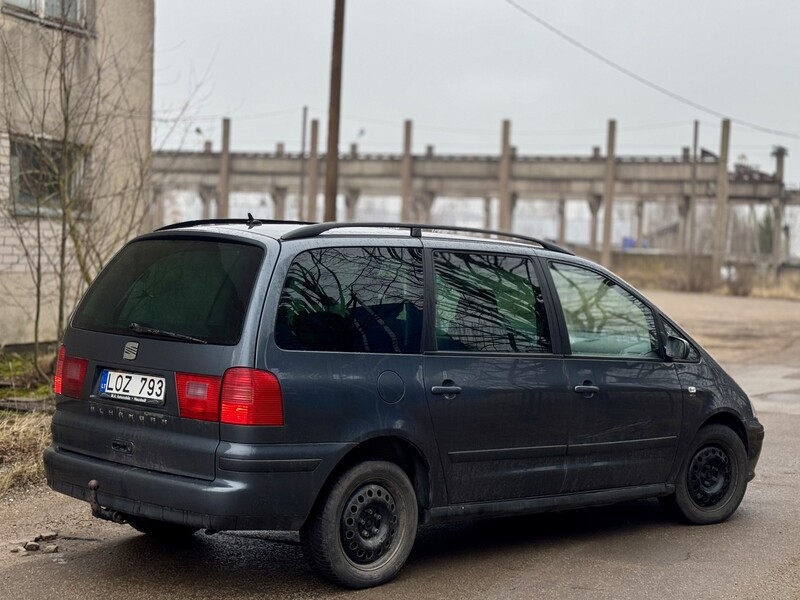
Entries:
{"x":251,"y":397}
{"x":198,"y":396}
{"x":70,"y":373}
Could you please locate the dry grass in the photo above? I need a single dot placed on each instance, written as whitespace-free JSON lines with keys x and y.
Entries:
{"x":23,"y":437}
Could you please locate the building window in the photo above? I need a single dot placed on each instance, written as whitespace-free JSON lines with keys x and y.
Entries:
{"x":40,"y":170}
{"x":67,"y":11}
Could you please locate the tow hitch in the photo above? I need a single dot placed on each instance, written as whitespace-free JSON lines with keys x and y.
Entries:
{"x":100,"y":512}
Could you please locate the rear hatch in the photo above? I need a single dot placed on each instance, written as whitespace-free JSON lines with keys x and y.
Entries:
{"x":142,"y":362}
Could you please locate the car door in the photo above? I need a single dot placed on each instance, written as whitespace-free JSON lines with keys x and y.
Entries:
{"x":495,"y":387}
{"x":627,"y":400}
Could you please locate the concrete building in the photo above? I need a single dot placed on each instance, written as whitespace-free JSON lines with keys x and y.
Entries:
{"x":76,"y":89}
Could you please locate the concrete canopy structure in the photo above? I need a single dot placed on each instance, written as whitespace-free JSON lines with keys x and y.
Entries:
{"x":76,"y":88}
{"x":685,"y":180}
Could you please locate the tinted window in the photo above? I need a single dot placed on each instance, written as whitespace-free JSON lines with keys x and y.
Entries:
{"x":601,"y":317}
{"x":352,"y":300}
{"x":198,"y":288}
{"x":488,"y":303}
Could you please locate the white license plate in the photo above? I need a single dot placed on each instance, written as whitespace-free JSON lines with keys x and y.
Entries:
{"x":130,"y":386}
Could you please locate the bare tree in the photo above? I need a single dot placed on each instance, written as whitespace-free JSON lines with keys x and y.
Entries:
{"x":76,"y":110}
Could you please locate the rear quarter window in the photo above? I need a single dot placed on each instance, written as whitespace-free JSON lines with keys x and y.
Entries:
{"x":196,"y":288}
{"x":352,"y":300}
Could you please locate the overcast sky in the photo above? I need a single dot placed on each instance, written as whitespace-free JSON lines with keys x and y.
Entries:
{"x":458,"y":67}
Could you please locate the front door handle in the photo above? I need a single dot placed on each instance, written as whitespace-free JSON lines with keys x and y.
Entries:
{"x":587,"y":390}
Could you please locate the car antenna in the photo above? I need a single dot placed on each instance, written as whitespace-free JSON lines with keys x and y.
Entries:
{"x":251,"y":222}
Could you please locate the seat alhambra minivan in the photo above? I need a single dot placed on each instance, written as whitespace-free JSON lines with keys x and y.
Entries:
{"x":354,"y":382}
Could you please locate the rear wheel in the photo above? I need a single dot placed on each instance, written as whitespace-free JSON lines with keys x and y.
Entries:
{"x":713,"y":478}
{"x":161,"y":529}
{"x":363,"y":533}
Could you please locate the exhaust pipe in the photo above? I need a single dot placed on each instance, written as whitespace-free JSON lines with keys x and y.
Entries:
{"x":100,"y":512}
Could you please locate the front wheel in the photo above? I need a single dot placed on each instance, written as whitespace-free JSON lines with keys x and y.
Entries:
{"x":363,"y":533}
{"x":713,"y":477}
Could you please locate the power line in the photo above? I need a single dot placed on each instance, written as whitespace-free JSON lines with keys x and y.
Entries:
{"x":651,"y":84}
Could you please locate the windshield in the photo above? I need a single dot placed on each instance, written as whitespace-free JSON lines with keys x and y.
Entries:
{"x":196,"y":289}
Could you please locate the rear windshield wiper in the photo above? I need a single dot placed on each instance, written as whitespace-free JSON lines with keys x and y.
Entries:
{"x":135,"y":327}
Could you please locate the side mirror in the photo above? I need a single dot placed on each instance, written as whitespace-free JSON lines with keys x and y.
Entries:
{"x":677,"y":348}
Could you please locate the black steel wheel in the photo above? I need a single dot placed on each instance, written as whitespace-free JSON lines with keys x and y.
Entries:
{"x":713,"y":478}
{"x":362,"y":534}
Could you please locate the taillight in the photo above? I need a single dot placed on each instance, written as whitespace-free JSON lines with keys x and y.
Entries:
{"x":70,"y":373}
{"x":198,"y":396}
{"x":251,"y":397}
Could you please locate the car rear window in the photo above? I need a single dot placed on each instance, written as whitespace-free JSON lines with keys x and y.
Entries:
{"x":195,"y":288}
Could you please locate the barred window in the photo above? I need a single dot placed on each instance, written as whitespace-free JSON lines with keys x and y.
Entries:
{"x":40,"y":171}
{"x":69,"y":11}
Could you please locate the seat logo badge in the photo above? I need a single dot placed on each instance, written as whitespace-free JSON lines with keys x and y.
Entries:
{"x":131,"y":350}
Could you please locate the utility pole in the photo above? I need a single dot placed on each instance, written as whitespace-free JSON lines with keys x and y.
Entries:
{"x":332,"y":156}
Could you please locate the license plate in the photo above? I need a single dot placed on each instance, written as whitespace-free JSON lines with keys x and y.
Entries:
{"x":130,"y":386}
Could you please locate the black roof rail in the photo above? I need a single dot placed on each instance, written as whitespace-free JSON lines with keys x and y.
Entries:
{"x":415,"y":230}
{"x":250,"y":222}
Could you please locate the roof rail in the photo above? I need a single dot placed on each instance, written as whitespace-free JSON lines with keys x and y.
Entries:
{"x":415,"y":230}
{"x":250,"y":222}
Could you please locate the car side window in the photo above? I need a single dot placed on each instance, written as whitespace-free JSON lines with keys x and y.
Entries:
{"x":601,"y":317}
{"x":352,"y":300}
{"x":489,"y":303}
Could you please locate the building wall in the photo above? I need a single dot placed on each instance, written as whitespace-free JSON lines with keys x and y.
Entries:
{"x":110,"y":70}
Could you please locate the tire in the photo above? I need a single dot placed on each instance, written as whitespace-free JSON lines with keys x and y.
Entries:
{"x":161,"y":529}
{"x":362,"y":533}
{"x":713,"y":478}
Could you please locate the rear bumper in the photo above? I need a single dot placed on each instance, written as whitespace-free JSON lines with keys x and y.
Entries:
{"x":275,"y":493}
{"x":755,"y":440}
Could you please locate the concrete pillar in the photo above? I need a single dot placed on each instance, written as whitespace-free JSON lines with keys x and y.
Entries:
{"x":684,"y":206}
{"x":429,"y":151}
{"x":640,"y":224}
{"x":223,"y":193}
{"x":778,"y":205}
{"x":206,"y":193}
{"x":208,"y":146}
{"x":504,"y":179}
{"x":157,"y":208}
{"x":423,"y":202}
{"x":594,"y":201}
{"x":313,"y":172}
{"x":351,"y":197}
{"x":608,"y":193}
{"x":280,"y":149}
{"x":353,"y":150}
{"x":487,"y":212}
{"x":406,"y":174}
{"x":721,"y":206}
{"x":562,"y":221}
{"x":279,"y":193}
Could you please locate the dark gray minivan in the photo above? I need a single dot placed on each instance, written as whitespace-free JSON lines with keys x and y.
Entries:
{"x":352,"y":382}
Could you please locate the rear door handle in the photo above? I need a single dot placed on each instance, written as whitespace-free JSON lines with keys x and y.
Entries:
{"x":588,"y":390}
{"x":445,"y":390}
